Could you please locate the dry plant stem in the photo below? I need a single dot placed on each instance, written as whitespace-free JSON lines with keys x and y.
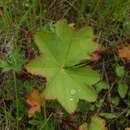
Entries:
{"x":107,"y":80}
{"x":66,"y":12}
{"x":51,"y":5}
{"x":6,"y":117}
{"x":96,"y":6}
{"x":105,"y":96}
{"x":108,"y":93}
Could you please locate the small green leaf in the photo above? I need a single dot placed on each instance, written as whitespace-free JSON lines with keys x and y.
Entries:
{"x":4,"y":65}
{"x":122,"y":89}
{"x":97,"y":123}
{"x":99,"y":103}
{"x":60,"y":52}
{"x":120,"y":71}
{"x":115,"y":100}
{"x":101,"y":86}
{"x":13,"y":62}
{"x":108,"y":115}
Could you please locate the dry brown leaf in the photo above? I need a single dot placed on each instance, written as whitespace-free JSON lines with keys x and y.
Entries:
{"x":124,"y":52}
{"x":96,"y":55}
{"x":1,"y":12}
{"x":34,"y":101}
{"x":127,"y":128}
{"x":83,"y":126}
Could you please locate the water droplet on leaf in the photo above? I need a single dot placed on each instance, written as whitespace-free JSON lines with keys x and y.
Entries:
{"x":71,"y":99}
{"x":73,"y":91}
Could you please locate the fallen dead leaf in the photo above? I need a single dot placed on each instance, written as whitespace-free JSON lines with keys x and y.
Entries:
{"x":34,"y":101}
{"x":96,"y":55}
{"x":127,"y":128}
{"x":124,"y":52}
{"x":1,"y":13}
{"x":83,"y":126}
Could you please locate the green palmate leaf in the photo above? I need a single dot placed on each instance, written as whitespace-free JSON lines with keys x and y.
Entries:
{"x":60,"y":52}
